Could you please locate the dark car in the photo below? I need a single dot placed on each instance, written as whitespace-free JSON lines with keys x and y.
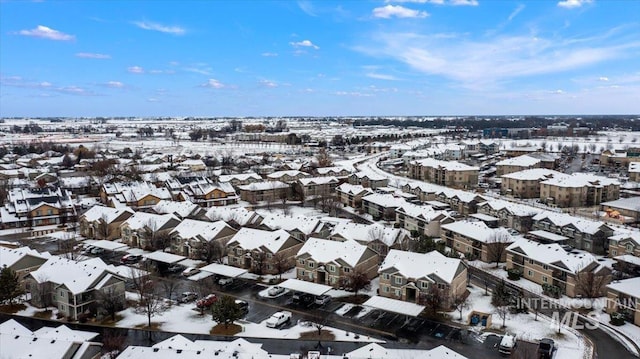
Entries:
{"x":131,"y":258}
{"x":546,"y":347}
{"x":303,"y":299}
{"x":243,"y":306}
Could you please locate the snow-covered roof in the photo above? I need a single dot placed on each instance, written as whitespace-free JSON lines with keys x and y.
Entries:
{"x":394,"y":305}
{"x":325,"y":251}
{"x":552,"y":254}
{"x":520,"y":161}
{"x":290,"y":173}
{"x":421,"y":265}
{"x":334,"y":169}
{"x":164,"y":257}
{"x":78,"y":277}
{"x":426,"y":213}
{"x":377,"y":351}
{"x":630,"y":204}
{"x":385,"y":200}
{"x":369,"y":175}
{"x":516,"y":209}
{"x":564,"y":219}
{"x":354,"y":189}
{"x":240,"y":177}
{"x":368,"y":232}
{"x":478,"y":231}
{"x":306,"y":225}
{"x":191,"y":228}
{"x":96,"y":213}
{"x":9,"y":256}
{"x":249,"y":238}
{"x":298,"y":285}
{"x":183,"y":209}
{"x":141,"y":220}
{"x":548,"y":235}
{"x":630,"y":287}
{"x":581,"y":180}
{"x":240,"y":215}
{"x":634,"y":167}
{"x":318,"y":180}
{"x":534,"y":174}
{"x":634,"y":236}
{"x":223,"y":270}
{"x":263,"y":186}
{"x":447,"y":165}
{"x":629,"y":259}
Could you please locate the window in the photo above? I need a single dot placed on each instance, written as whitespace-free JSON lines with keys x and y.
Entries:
{"x":398,"y":280}
{"x":332,"y":268}
{"x":239,"y":251}
{"x":545,"y":267}
{"x":49,"y":212}
{"x":587,"y":245}
{"x":311,"y":264}
{"x":614,"y":252}
{"x":397,"y":292}
{"x":424,"y":284}
{"x":269,"y":267}
{"x":544,"y":279}
{"x":301,"y":261}
{"x":347,"y":270}
{"x":629,"y":247}
{"x":386,"y":289}
{"x":530,"y":273}
{"x":386,"y":276}
{"x":531,"y":261}
{"x":301,"y":273}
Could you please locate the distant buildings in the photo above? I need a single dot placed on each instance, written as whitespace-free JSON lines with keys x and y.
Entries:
{"x":445,"y":173}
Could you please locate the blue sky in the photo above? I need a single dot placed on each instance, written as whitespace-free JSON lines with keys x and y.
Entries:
{"x":319,"y":58}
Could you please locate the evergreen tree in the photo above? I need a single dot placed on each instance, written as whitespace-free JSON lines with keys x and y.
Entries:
{"x":225,"y":311}
{"x":10,"y":288}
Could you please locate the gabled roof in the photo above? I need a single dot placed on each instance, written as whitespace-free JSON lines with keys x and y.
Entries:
{"x":263,"y":186}
{"x":140,"y":220}
{"x":76,"y":276}
{"x":421,"y":265}
{"x":306,"y":225}
{"x":182,"y":209}
{"x":385,"y":200}
{"x":326,"y":251}
{"x":191,"y":228}
{"x":239,"y":215}
{"x":368,"y":232}
{"x":552,"y":254}
{"x":516,"y":209}
{"x":478,"y":231}
{"x":96,"y":213}
{"x":447,"y":165}
{"x":564,"y":219}
{"x":249,"y":238}
{"x":533,"y":174}
{"x":318,"y":180}
{"x":629,"y":286}
{"x":521,"y":161}
{"x":10,"y":256}
{"x":354,"y":189}
{"x":290,"y":173}
{"x":580,"y":180}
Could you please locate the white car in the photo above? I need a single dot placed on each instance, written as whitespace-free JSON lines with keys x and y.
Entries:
{"x":190,"y":271}
{"x":278,"y":319}
{"x":274,"y":291}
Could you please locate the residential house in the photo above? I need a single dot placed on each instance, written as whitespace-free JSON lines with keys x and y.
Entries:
{"x":73,"y":287}
{"x":410,"y":276}
{"x":625,"y":243}
{"x":268,"y":191}
{"x":375,"y":236}
{"x":240,"y":179}
{"x":579,"y":190}
{"x":236,"y":217}
{"x":193,"y":239}
{"x":77,"y":185}
{"x":423,"y":219}
{"x":512,"y":215}
{"x":476,"y":240}
{"x":551,"y":265}
{"x":584,"y":234}
{"x":202,"y":191}
{"x":623,"y":296}
{"x":192,"y":165}
{"x":287,"y":176}
{"x":180,"y":209}
{"x":382,"y":205}
{"x":261,"y":251}
{"x":331,"y":262}
{"x":22,"y":260}
{"x":316,"y":187}
{"x":136,"y":195}
{"x":30,"y":207}
{"x":398,"y":150}
{"x":445,"y":173}
{"x":144,"y":230}
{"x":526,"y":183}
{"x":369,"y":180}
{"x":335,"y":171}
{"x":351,"y":195}
{"x":100,"y":222}
{"x":299,"y":227}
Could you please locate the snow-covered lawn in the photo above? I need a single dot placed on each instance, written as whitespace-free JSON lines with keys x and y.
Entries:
{"x":31,"y":311}
{"x":375,"y":285}
{"x":570,"y":343}
{"x":294,"y":211}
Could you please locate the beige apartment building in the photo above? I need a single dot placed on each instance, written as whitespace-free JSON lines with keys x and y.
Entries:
{"x":526,"y":183}
{"x":623,"y":296}
{"x":579,"y":190}
{"x":409,"y":276}
{"x":550,"y":264}
{"x":258,"y":250}
{"x":445,"y":173}
{"x":474,"y":239}
{"x":621,"y":244}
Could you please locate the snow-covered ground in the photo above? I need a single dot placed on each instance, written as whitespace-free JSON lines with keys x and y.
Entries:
{"x":570,"y":343}
{"x":294,"y":211}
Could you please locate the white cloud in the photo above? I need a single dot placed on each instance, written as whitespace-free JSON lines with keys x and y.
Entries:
{"x":90,"y":55}
{"x":478,"y":62}
{"x":352,"y":94}
{"x":153,"y":26}
{"x":307,"y":7}
{"x":115,"y":84}
{"x":570,"y":4}
{"x":45,"y":84}
{"x":603,"y":78}
{"x":198,"y":69}
{"x":389,"y":11}
{"x":515,"y":12}
{"x":47,"y":33}
{"x":153,"y":99}
{"x":214,"y":84}
{"x":304,"y":43}
{"x":268,"y":83}
{"x":378,"y":76}
{"x":135,"y":69}
{"x":464,"y":2}
{"x":438,"y":2}
{"x":269,"y":54}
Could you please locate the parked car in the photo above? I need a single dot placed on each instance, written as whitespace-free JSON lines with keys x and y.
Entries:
{"x":303,"y":299}
{"x":278,"y":319}
{"x":322,"y":299}
{"x":243,"y":306}
{"x":130,"y":258}
{"x":225,"y":281}
{"x":207,"y":301}
{"x":546,"y":347}
{"x":175,"y":268}
{"x":190,"y":271}
{"x":274,"y":291}
{"x":96,"y":250}
{"x":187,"y":297}
{"x":507,"y":344}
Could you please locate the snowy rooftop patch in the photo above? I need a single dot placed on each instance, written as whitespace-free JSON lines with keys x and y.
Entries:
{"x":191,"y":228}
{"x":325,"y":251}
{"x":394,"y":305}
{"x":552,"y":254}
{"x":477,"y":230}
{"x":581,"y":180}
{"x":534,"y":174}
{"x":249,"y":238}
{"x":421,"y":265}
{"x":521,"y":161}
{"x":629,"y":286}
{"x":447,"y":165}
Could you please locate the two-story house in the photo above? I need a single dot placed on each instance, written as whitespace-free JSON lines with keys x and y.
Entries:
{"x":100,"y":222}
{"x":510,"y":214}
{"x":192,"y":238}
{"x":583,"y":233}
{"x":261,"y":252}
{"x":316,"y":187}
{"x":351,"y":195}
{"x":144,"y":230}
{"x":369,"y":180}
{"x":423,"y":219}
{"x":476,"y":240}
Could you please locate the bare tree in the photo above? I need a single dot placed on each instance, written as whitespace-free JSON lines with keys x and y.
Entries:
{"x":281,"y":263}
{"x":357,"y":280}
{"x":170,"y":287}
{"x":460,"y":302}
{"x":283,"y":196}
{"x":590,"y":284}
{"x":497,"y":245}
{"x":150,"y":303}
{"x":111,"y":301}
{"x":433,"y":300}
{"x":503,"y":312}
{"x":69,"y":247}
{"x":323,"y":158}
{"x":212,"y":251}
{"x":103,"y":228}
{"x":259,"y":259}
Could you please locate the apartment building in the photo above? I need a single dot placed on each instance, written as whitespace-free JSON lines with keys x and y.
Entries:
{"x":330,"y":262}
{"x":375,"y":236}
{"x":100,"y":222}
{"x":368,"y":180}
{"x":193,"y":239}
{"x":409,"y":276}
{"x":445,"y":173}
{"x":634,"y":171}
{"x":381,"y":205}
{"x":30,"y":207}
{"x":202,"y":191}
{"x":579,"y":190}
{"x":269,"y":191}
{"x":620,"y":158}
{"x":476,"y":239}
{"x":314,"y":187}
{"x":259,"y":251}
{"x":351,"y":195}
{"x":423,"y":219}
{"x":623,"y":296}
{"x":142,"y":229}
{"x":526,"y":183}
{"x":625,"y":244}
{"x":550,"y":264}
{"x":510,"y":214}
{"x":136,"y":195}
{"x":585,"y":234}
{"x":517,"y":164}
